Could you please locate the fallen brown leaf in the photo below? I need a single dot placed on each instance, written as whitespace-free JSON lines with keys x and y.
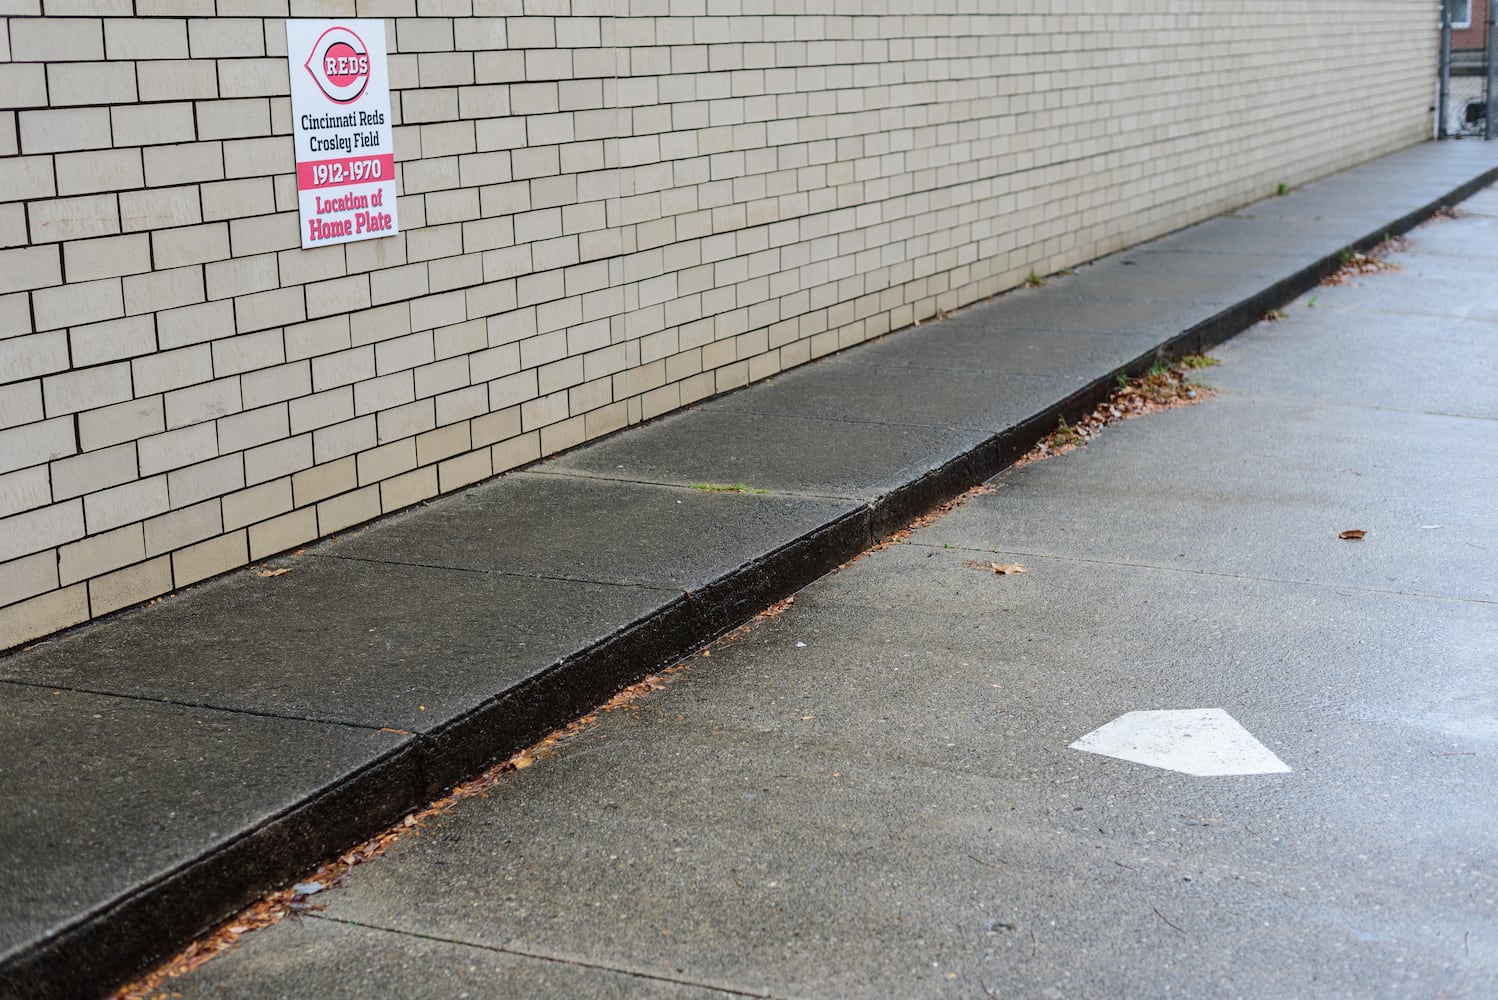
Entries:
{"x":1353,"y":534}
{"x":780,"y":607}
{"x":1160,"y":389}
{"x":272,"y":572}
{"x":1354,"y":265}
{"x":998,"y":569}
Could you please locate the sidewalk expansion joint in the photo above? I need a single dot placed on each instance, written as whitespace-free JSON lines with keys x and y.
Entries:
{"x":1332,"y":404}
{"x":864,"y":422}
{"x":1426,"y":250}
{"x":595,"y":477}
{"x":476,"y":571}
{"x":200,"y":705}
{"x":543,"y":957}
{"x":1338,"y":307}
{"x":1340,"y":588}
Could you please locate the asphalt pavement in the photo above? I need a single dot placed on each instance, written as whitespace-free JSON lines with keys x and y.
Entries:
{"x":875,"y":793}
{"x":166,"y":765}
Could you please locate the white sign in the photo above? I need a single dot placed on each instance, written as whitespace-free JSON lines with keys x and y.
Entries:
{"x":340,"y":111}
{"x":1200,"y":741}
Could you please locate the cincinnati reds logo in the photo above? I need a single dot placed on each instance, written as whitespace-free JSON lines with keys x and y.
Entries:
{"x":340,"y":65}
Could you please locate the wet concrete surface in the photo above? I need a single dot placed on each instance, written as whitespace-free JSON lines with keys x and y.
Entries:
{"x":369,"y":644}
{"x":621,"y":533}
{"x":81,"y":848}
{"x":872,"y":794}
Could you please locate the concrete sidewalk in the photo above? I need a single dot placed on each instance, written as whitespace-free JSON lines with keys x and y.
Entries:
{"x":882,"y":790}
{"x":165,"y":766}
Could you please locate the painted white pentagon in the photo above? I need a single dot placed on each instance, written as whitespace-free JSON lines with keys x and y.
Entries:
{"x":1199,"y":741}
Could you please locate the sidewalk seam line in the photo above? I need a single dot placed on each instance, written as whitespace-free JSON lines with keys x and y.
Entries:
{"x":203,"y":706}
{"x":1236,"y":393}
{"x":476,"y":571}
{"x":1320,"y":585}
{"x":571,"y":474}
{"x":557,"y":959}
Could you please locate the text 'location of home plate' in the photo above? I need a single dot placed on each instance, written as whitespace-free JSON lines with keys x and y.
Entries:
{"x":1199,"y":741}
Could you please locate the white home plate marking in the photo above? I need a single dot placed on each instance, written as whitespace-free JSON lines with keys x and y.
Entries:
{"x":1199,"y":741}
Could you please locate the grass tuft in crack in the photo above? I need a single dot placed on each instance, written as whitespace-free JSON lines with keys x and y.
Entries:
{"x":726,"y":488}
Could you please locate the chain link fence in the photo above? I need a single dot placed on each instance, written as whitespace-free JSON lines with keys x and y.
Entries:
{"x":1466,"y":69}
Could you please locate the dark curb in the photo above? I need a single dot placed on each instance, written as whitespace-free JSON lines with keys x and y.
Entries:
{"x":104,"y":947}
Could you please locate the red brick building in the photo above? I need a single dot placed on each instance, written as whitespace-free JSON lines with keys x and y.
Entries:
{"x":1469,"y":25}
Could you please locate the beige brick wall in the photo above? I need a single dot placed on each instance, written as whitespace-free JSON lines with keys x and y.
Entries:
{"x":612,"y":208}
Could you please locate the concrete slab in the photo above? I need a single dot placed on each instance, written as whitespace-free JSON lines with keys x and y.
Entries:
{"x":335,"y":640}
{"x":793,"y":820}
{"x":1348,"y":196}
{"x":925,"y":658}
{"x":1436,"y":293}
{"x":313,"y":957}
{"x":1151,"y":256}
{"x":1428,"y":170}
{"x":1477,"y":236}
{"x":988,"y":401}
{"x":1482,"y":203}
{"x":1361,"y":346}
{"x":1438,"y":160}
{"x":1112,"y":279}
{"x":1419,"y":484}
{"x":1424,"y":266}
{"x":608,"y":531}
{"x":786,"y":454}
{"x":1030,"y":309}
{"x":134,"y":788}
{"x":1299,"y":239}
{"x":979,"y":341}
{"x":1012,"y":927}
{"x":1353,"y":207}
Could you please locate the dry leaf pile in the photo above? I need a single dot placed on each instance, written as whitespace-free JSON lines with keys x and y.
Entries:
{"x":1358,"y":264}
{"x":1161,"y":389}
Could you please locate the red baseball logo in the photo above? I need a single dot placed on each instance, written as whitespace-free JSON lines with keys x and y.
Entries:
{"x":340,"y":65}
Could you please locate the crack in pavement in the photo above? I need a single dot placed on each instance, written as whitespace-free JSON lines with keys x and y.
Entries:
{"x":557,"y":578}
{"x":540,"y":957}
{"x":204,"y":706}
